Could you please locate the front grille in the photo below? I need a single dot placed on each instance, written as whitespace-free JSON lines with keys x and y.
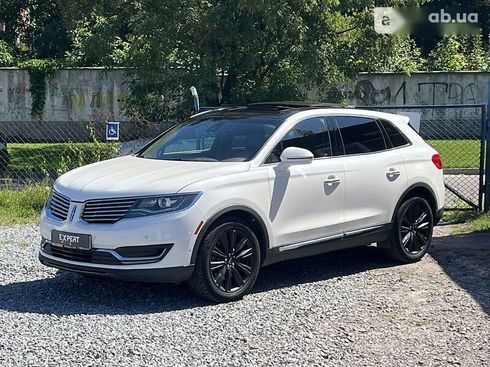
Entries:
{"x":59,"y":205}
{"x":106,"y":211}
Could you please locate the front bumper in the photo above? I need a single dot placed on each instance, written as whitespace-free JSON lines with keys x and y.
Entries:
{"x":176,"y":228}
{"x":123,"y":250}
{"x":164,"y":275}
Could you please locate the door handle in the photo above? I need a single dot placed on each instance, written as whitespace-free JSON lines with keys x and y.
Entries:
{"x":332,"y":181}
{"x":393,"y":174}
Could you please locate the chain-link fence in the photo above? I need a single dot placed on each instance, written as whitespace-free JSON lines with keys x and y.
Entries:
{"x":457,"y":133}
{"x":33,"y":152}
{"x":38,"y":151}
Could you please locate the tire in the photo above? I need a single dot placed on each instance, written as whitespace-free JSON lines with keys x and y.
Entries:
{"x":232,"y":274}
{"x":412,"y":231}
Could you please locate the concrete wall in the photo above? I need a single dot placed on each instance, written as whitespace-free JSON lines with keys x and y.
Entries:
{"x":428,"y":88}
{"x":418,"y":88}
{"x":97,"y":94}
{"x":87,"y":94}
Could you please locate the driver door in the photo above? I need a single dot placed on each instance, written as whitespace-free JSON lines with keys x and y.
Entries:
{"x":307,"y":199}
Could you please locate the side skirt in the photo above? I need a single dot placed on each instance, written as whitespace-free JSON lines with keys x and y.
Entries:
{"x":347,"y":240}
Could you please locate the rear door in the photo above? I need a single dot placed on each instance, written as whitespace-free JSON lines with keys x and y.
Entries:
{"x":375,"y":175}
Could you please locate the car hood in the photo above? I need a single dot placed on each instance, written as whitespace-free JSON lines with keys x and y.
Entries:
{"x":132,"y":176}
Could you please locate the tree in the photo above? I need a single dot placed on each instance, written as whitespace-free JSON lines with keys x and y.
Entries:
{"x":454,"y":53}
{"x":259,"y":50}
{"x":34,"y":28}
{"x":99,"y":31}
{"x":6,"y":58}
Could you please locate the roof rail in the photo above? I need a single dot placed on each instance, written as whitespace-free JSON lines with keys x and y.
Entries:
{"x":292,"y":104}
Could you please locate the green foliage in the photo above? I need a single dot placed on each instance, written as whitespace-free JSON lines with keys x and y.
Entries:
{"x":96,"y":43}
{"x":40,"y":71}
{"x":34,"y":28}
{"x":22,"y":206}
{"x":448,"y":55}
{"x":471,"y":221}
{"x":56,"y":159}
{"x":263,"y":50}
{"x":455,"y":53}
{"x":6,"y":57}
{"x":475,"y":53}
{"x":401,"y":54}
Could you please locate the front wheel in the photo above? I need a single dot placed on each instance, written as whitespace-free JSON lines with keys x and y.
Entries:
{"x":227,"y":263}
{"x":412,"y":232}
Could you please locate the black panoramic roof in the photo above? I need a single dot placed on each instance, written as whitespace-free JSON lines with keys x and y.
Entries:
{"x":280,"y":110}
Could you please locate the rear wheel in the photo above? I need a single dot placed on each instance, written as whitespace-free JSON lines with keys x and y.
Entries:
{"x":227,"y":263}
{"x":412,"y":231}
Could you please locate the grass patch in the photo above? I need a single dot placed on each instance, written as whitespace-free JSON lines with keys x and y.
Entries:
{"x":471,"y":221}
{"x":22,"y":206}
{"x":44,"y":157}
{"x":480,"y":223}
{"x":459,"y":216}
{"x":458,"y":153}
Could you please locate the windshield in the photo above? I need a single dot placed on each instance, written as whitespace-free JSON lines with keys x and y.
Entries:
{"x":213,"y":139}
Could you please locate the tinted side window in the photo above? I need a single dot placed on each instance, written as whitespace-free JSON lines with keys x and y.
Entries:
{"x":394,"y":135}
{"x":360,"y":134}
{"x":311,"y":134}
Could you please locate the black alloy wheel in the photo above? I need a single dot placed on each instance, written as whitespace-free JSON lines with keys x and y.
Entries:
{"x":412,"y":231}
{"x":227,"y":262}
{"x":232,"y":259}
{"x":416,"y":228}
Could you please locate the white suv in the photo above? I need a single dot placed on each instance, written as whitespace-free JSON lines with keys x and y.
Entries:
{"x":215,"y":198}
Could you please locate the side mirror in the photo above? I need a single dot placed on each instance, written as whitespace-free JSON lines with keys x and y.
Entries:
{"x":295,"y":155}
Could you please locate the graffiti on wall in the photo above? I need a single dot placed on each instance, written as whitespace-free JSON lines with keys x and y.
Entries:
{"x":84,"y":95}
{"x":420,"y":93}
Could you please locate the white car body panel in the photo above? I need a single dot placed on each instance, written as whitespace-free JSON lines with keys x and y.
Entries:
{"x":131,"y":176}
{"x":304,"y":205}
{"x":374,"y":182}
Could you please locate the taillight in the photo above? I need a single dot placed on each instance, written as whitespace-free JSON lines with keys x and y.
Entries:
{"x":437,"y":160}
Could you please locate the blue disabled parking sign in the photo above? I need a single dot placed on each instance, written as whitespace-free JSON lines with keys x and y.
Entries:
{"x":112,"y":130}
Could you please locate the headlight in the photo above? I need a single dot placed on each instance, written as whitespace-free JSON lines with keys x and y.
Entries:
{"x":162,"y":204}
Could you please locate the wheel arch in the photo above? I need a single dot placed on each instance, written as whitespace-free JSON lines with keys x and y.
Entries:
{"x":421,"y":190}
{"x":245,"y":213}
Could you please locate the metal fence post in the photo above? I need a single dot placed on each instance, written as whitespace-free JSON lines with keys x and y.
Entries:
{"x":483,"y":140}
{"x":486,"y":205}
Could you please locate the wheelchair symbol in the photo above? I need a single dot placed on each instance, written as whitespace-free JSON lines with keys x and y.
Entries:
{"x":112,"y":131}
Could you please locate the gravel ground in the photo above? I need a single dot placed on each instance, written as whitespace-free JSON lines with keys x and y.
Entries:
{"x":346,"y":308}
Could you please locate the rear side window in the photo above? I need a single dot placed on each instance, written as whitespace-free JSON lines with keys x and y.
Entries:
{"x":312,"y":134}
{"x":394,"y":135}
{"x":360,"y":134}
